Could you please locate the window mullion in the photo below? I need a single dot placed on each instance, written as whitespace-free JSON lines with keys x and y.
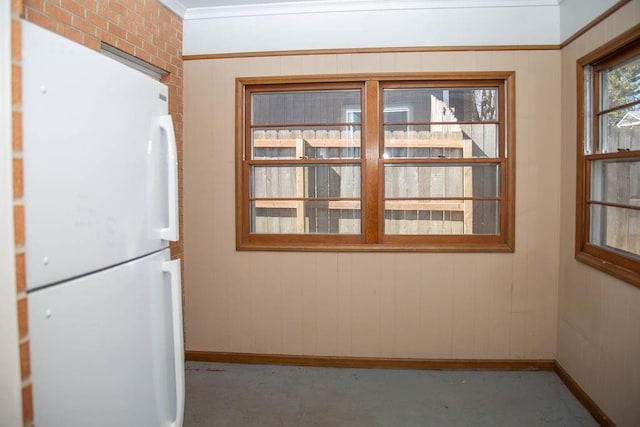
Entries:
{"x":372,"y":172}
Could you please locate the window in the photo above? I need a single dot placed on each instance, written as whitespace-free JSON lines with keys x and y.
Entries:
{"x":370,"y":163}
{"x":608,"y":214}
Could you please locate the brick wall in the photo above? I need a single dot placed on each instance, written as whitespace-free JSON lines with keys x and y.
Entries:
{"x":18,"y":212}
{"x":147,"y":30}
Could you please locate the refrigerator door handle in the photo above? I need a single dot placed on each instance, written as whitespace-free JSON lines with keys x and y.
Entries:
{"x":171,"y":231}
{"x":173,"y":268}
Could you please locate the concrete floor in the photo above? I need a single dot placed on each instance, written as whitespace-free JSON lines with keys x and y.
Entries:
{"x":238,"y":395}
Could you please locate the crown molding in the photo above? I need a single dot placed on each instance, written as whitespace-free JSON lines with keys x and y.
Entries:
{"x":326,"y":6}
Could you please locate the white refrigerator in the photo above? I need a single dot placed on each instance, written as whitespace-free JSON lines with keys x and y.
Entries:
{"x":100,"y":199}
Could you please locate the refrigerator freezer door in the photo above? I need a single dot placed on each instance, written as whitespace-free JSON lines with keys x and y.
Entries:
{"x":102,"y":350}
{"x":96,"y":157}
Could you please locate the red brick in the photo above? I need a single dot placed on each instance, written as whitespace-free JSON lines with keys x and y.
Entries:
{"x":17,"y":178}
{"x":129,"y":4}
{"x":143,"y":33}
{"x":16,"y":39}
{"x":128,"y":25}
{"x":84,"y":26}
{"x":18,"y":224}
{"x":117,"y":31}
{"x":142,"y":54}
{"x":25,"y":362}
{"x":172,"y":51}
{"x":142,"y":10}
{"x":134,"y":40}
{"x":16,"y":124}
{"x":178,"y":97}
{"x":88,"y":5}
{"x":23,"y":319}
{"x":17,"y":7}
{"x":134,"y":17}
{"x":164,"y":56}
{"x":159,"y":63}
{"x":34,"y":4}
{"x":97,"y":20}
{"x":72,"y":33}
{"x":91,"y":42}
{"x":57,"y":13}
{"x":177,"y":26}
{"x":117,"y":8}
{"x":107,"y":13}
{"x":176,"y":60}
{"x":41,"y":19}
{"x":16,"y":84}
{"x":152,"y":28}
{"x":158,"y":41}
{"x":21,"y":283}
{"x":149,"y":47}
{"x":27,"y":405}
{"x":107,"y":37}
{"x":171,"y":68}
{"x":125,"y":46}
{"x":73,"y":7}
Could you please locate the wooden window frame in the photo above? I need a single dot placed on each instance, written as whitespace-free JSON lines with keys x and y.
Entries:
{"x":371,"y":237}
{"x":597,"y":256}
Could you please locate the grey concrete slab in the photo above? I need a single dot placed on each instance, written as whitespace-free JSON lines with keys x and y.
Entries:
{"x":237,"y":395}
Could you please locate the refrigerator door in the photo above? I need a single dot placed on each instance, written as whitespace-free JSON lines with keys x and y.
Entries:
{"x":99,"y":160}
{"x":106,"y":349}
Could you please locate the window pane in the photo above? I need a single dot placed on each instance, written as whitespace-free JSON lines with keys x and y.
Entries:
{"x":329,"y":142}
{"x":440,"y":105}
{"x":620,"y":130}
{"x":429,"y":217}
{"x":616,"y":181}
{"x":441,"y":180}
{"x":621,"y":83}
{"x":616,"y":228}
{"x":486,"y":217}
{"x":435,"y":141}
{"x":305,"y":217}
{"x":329,"y":106}
{"x":305,"y":181}
{"x":587,"y":127}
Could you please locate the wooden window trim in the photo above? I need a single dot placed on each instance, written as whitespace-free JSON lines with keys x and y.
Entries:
{"x":372,"y":238}
{"x":596,"y":256}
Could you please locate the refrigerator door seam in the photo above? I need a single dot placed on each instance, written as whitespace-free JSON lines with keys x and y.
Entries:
{"x":130,"y":260}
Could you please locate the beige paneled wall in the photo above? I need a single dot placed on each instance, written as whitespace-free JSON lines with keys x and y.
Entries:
{"x":371,"y":304}
{"x":599,"y":316}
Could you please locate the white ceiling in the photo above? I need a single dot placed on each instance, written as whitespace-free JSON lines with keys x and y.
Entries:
{"x":425,"y":3}
{"x":233,"y":26}
{"x":196,"y":8}
{"x":217,"y":3}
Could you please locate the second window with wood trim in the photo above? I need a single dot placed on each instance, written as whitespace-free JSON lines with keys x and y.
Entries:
{"x":608,"y":168}
{"x":376,"y":163}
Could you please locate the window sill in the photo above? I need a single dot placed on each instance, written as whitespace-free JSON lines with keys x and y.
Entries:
{"x":609,"y":268}
{"x":328,"y":247}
